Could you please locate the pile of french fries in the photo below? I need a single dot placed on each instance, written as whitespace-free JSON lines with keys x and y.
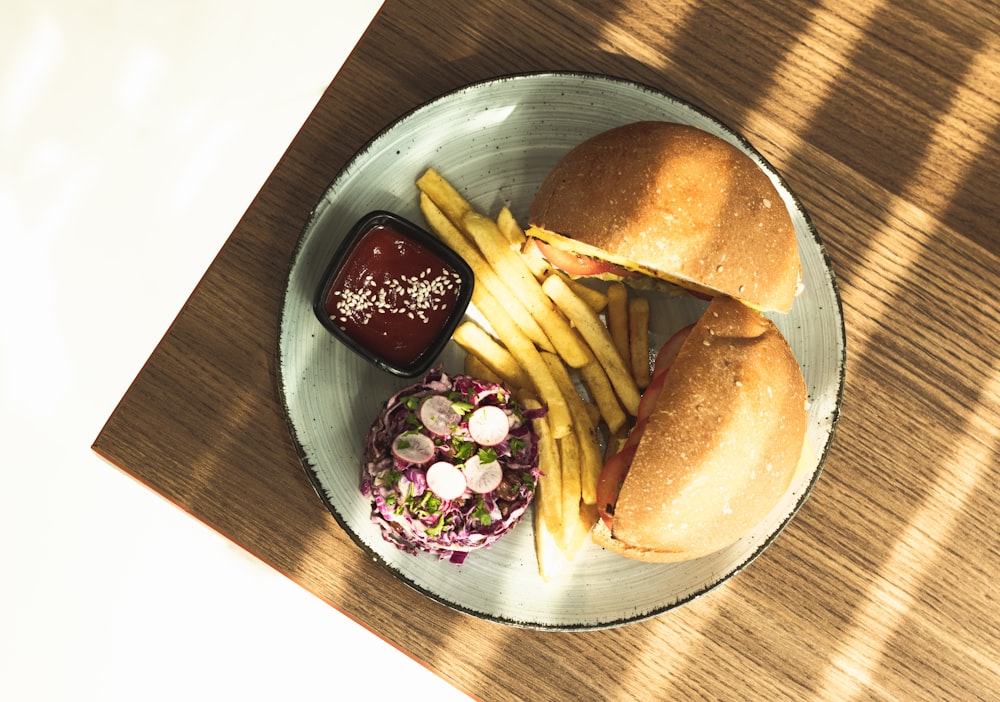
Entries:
{"x":543,"y":337}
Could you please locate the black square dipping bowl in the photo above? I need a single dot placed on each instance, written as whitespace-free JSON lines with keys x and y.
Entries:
{"x":394,"y":294}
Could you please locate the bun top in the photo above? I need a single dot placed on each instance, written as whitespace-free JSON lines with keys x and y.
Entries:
{"x":722,"y":444}
{"x":674,"y":202}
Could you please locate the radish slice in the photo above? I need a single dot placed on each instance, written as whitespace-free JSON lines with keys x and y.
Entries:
{"x":446,"y":481}
{"x":489,"y":425}
{"x":483,"y":477}
{"x":438,"y":415}
{"x":413,"y":447}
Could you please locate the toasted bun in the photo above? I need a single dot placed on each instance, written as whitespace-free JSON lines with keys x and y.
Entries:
{"x":674,"y":202}
{"x":721,"y":445}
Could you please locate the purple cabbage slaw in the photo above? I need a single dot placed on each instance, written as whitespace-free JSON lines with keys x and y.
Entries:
{"x":409,"y":514}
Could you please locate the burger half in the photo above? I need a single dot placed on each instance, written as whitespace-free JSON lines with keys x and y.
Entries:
{"x":717,"y":440}
{"x":669,"y":202}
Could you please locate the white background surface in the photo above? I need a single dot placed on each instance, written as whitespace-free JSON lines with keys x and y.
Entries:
{"x":133,"y":136}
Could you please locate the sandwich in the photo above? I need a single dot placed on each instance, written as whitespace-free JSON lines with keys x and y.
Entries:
{"x":719,"y":436}
{"x":671,"y":204}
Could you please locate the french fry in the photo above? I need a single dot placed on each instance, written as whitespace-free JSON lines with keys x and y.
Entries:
{"x":545,"y":326}
{"x":529,"y":358}
{"x":589,"y":460}
{"x":475,"y":367}
{"x":594,"y":376}
{"x":511,"y":267}
{"x":445,"y":230}
{"x":583,"y":522}
{"x":506,"y":262}
{"x":588,"y":517}
{"x":471,"y":337}
{"x":552,"y":560}
{"x":511,"y":229}
{"x":542,"y":269}
{"x":548,"y":517}
{"x":618,"y":320}
{"x":569,"y":461}
{"x":444,"y":195}
{"x":603,"y":395}
{"x":561,"y":522}
{"x":638,"y":330}
{"x":596,"y":299}
{"x":598,"y":337}
{"x":548,"y":500}
{"x":537,"y":264}
{"x":616,"y":441}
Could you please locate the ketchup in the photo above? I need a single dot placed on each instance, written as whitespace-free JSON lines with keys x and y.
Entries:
{"x":392,"y":295}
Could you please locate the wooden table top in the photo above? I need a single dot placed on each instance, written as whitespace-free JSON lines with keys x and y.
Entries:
{"x":884,"y":119}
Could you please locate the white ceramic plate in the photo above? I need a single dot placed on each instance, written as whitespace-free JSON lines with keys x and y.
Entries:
{"x":496,"y":141}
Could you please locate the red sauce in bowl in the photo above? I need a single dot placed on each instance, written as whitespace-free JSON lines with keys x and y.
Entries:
{"x":396,"y":293}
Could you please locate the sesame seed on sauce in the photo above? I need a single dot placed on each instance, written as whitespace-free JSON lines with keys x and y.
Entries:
{"x":392,"y":295}
{"x":414,"y":296}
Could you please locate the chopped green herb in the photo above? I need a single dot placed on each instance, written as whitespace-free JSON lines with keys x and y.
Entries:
{"x":463,"y":450}
{"x":482,"y":514}
{"x":516,"y":445}
{"x":437,"y":528}
{"x":389,"y":477}
{"x":462,"y":407}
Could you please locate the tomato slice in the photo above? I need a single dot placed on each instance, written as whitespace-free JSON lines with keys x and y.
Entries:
{"x":664,"y":359}
{"x":609,"y":484}
{"x":668,"y":352}
{"x":611,"y":480}
{"x":578,"y":265}
{"x":648,"y":400}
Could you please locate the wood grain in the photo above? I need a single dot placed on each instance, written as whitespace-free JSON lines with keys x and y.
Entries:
{"x":884,"y":120}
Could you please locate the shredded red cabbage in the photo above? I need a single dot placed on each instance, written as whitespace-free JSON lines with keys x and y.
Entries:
{"x":408,"y":513}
